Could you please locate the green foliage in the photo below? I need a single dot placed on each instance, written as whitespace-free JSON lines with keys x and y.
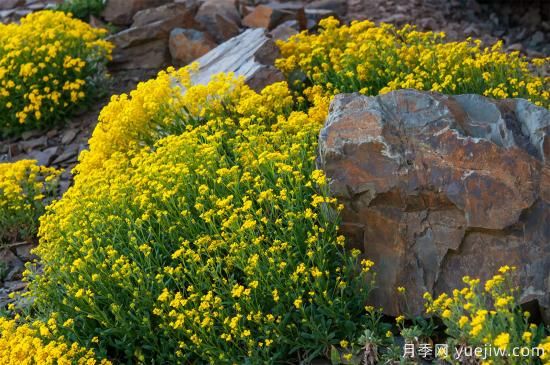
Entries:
{"x":82,"y":9}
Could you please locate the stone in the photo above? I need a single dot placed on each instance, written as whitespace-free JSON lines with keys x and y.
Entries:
{"x":339,"y":7}
{"x":167,"y":13}
{"x":145,"y":44}
{"x":34,"y":143}
{"x":220,"y":18}
{"x":121,"y":12}
{"x":11,"y":4}
{"x":23,"y":251}
{"x":69,"y":155}
{"x":186,"y":45}
{"x":438,"y":187}
{"x":251,"y":55}
{"x":270,"y":15}
{"x":150,"y":55}
{"x":285,"y":30}
{"x":45,"y":157}
{"x":314,"y":16}
{"x":13,"y":266}
{"x":69,"y":136}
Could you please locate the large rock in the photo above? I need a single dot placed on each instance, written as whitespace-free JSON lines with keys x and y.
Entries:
{"x":220,"y":18}
{"x":121,"y":12}
{"x":251,"y":55}
{"x":437,"y":187}
{"x":145,"y":44}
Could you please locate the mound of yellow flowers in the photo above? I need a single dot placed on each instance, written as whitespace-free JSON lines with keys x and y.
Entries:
{"x":199,"y":230}
{"x":25,"y":190}
{"x":49,"y":64}
{"x":373,"y":59}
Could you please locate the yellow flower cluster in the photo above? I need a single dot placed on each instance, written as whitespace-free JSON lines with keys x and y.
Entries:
{"x":489,"y":315}
{"x":48,"y":65}
{"x":29,"y":344}
{"x":25,"y":189}
{"x":199,"y":231}
{"x":373,"y":59}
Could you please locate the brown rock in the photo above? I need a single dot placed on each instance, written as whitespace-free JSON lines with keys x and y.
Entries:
{"x":220,"y":18}
{"x":285,"y":30}
{"x":270,"y":15}
{"x":150,"y":55}
{"x":251,"y":55}
{"x":121,"y":12}
{"x":186,"y":45}
{"x":145,"y":44}
{"x":437,"y":187}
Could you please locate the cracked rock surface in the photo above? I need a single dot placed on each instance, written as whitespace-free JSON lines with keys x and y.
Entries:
{"x":439,"y":187}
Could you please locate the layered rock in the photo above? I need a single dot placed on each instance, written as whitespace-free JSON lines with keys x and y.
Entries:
{"x":438,"y":187}
{"x":145,"y":43}
{"x":251,"y":55}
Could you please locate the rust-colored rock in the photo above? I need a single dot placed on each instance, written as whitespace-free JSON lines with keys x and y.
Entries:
{"x":120,"y":12}
{"x":186,"y":45}
{"x":271,"y":15}
{"x":438,"y":187}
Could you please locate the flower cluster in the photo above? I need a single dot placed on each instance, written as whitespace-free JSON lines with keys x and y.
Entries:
{"x":486,"y":315}
{"x":378,"y":59}
{"x":32,"y":344}
{"x":25,"y":189}
{"x":199,"y":231}
{"x":49,"y":64}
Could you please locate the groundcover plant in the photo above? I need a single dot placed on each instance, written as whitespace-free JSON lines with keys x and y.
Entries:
{"x":49,"y":65}
{"x":199,"y":230}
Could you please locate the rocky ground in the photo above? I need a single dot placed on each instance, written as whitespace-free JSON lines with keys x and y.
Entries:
{"x":152,"y":34}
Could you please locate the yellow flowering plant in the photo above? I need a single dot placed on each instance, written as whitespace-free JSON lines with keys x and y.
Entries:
{"x":369,"y":59}
{"x":49,"y":65}
{"x":25,"y":190}
{"x":488,"y":316}
{"x":199,"y":231}
{"x":33,"y":343}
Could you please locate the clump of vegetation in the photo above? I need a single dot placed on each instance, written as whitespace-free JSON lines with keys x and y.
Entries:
{"x":25,"y":190}
{"x":488,"y":317}
{"x":50,"y":64}
{"x":373,"y":59}
{"x":82,"y":9}
{"x":207,"y":234}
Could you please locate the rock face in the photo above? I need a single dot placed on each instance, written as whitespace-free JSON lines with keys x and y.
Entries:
{"x":251,"y":54}
{"x":437,"y":187}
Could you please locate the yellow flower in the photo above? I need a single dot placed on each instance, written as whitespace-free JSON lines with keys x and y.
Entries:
{"x":502,"y":340}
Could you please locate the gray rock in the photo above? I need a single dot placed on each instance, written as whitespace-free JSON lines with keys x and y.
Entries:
{"x":439,"y":187}
{"x":45,"y":157}
{"x":34,"y":143}
{"x":251,"y":54}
